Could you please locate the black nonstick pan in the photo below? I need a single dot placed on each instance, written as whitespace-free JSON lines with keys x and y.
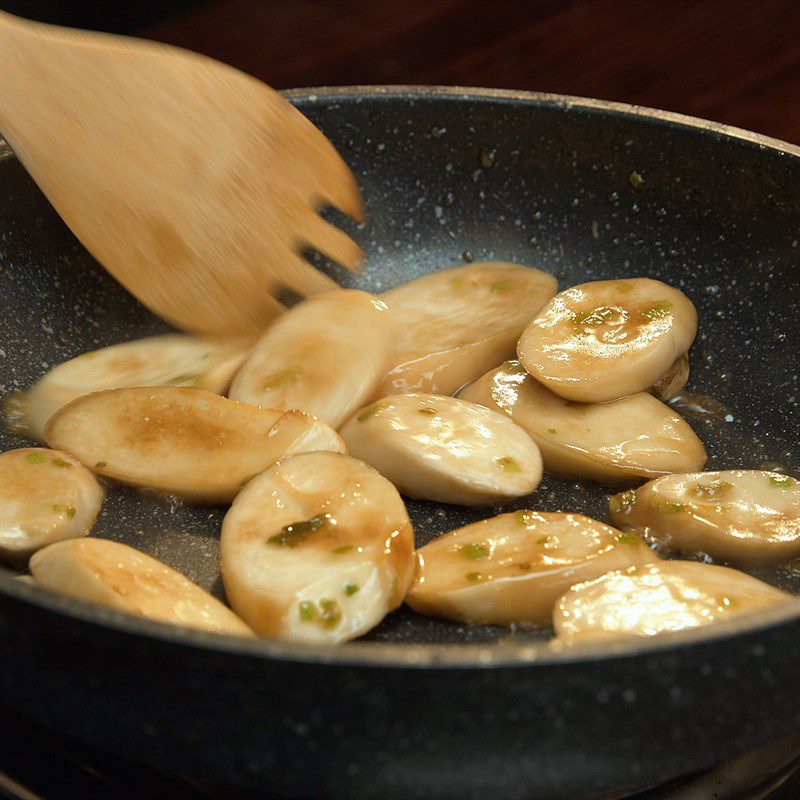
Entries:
{"x":422,"y":708}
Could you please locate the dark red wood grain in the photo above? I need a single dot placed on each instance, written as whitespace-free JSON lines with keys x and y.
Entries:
{"x":734,"y":61}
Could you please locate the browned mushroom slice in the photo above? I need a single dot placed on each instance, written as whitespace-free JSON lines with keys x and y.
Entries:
{"x":619,"y":442}
{"x":318,"y":548}
{"x":185,"y":442}
{"x":45,"y":496}
{"x":742,"y":516}
{"x":439,"y":448}
{"x":454,"y":324}
{"x":607,"y":339}
{"x":512,"y":568}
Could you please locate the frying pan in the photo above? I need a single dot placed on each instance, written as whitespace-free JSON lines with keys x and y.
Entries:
{"x":422,"y":708}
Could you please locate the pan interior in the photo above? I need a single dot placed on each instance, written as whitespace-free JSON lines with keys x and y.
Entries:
{"x":450,"y":177}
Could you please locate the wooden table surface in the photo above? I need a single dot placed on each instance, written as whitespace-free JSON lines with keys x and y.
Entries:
{"x":734,"y":61}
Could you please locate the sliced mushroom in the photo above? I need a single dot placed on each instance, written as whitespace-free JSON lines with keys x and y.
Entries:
{"x":185,"y":442}
{"x":512,"y":568}
{"x":672,"y":382}
{"x":438,"y":448}
{"x":326,"y":357}
{"x":45,"y":496}
{"x":172,"y":360}
{"x":318,"y":548}
{"x":743,"y":516}
{"x":624,"y":441}
{"x":454,"y":324}
{"x":116,"y":576}
{"x":607,"y":339}
{"x":657,"y":598}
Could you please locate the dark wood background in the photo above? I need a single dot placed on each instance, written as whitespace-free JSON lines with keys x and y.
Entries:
{"x":734,"y":61}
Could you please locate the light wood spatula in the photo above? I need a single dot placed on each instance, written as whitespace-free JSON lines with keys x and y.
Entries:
{"x":194,"y":184}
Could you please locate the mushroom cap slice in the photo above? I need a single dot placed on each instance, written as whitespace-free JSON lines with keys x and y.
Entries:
{"x":185,"y":442}
{"x":742,"y":516}
{"x":604,"y":340}
{"x":171,"y":360}
{"x":438,"y":448}
{"x":318,"y":548}
{"x":658,"y":598}
{"x":512,"y":568}
{"x":325,"y":356}
{"x":45,"y":496}
{"x":454,"y":324}
{"x":619,"y":442}
{"x":116,"y":576}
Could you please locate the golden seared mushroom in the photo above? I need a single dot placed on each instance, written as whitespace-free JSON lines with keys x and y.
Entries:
{"x":318,"y":548}
{"x":116,"y":576}
{"x":671,"y":383}
{"x":512,"y":568}
{"x":45,"y":496}
{"x":743,"y":516}
{"x":185,"y":442}
{"x":438,"y":448}
{"x":619,"y":442}
{"x":326,"y":357}
{"x":171,"y":360}
{"x":454,"y":324}
{"x":607,"y":339}
{"x":658,"y":598}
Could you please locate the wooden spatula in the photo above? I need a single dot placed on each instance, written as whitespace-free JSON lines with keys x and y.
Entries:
{"x":194,"y":184}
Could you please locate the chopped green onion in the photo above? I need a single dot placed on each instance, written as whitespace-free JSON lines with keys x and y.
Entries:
{"x":350,"y":589}
{"x":500,"y":287}
{"x":281,"y":378}
{"x":524,"y":518}
{"x":621,"y":503}
{"x":330,"y":613}
{"x":296,"y":533}
{"x":711,"y":490}
{"x":101,"y":464}
{"x":370,"y":411}
{"x":543,"y":540}
{"x":308,"y":613}
{"x":636,"y":180}
{"x":474,"y":576}
{"x":627,"y":538}
{"x":70,"y":511}
{"x":61,"y":463}
{"x":475,"y":551}
{"x":624,"y":288}
{"x":523,"y":565}
{"x":342,"y":548}
{"x":429,"y":411}
{"x":508,"y":464}
{"x":552,"y":430}
{"x":36,"y":458}
{"x":671,"y":508}
{"x":658,"y":311}
{"x":781,"y":481}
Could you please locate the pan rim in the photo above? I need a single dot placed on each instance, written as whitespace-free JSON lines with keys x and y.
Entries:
{"x":564,"y":101}
{"x":441,"y":656}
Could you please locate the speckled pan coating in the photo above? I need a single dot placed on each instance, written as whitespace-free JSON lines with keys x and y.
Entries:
{"x":447,"y":176}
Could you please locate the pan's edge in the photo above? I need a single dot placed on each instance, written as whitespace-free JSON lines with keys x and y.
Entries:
{"x":565,"y":101}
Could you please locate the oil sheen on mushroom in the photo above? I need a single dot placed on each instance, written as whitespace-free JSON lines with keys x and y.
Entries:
{"x":659,"y":598}
{"x":318,"y":548}
{"x":512,"y":568}
{"x":438,"y":448}
{"x":741,"y":516}
{"x":618,"y":442}
{"x":454,"y":324}
{"x":326,"y":357}
{"x":184,"y":442}
{"x":45,"y":496}
{"x":171,"y":360}
{"x":116,"y":576}
{"x":607,"y":339}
